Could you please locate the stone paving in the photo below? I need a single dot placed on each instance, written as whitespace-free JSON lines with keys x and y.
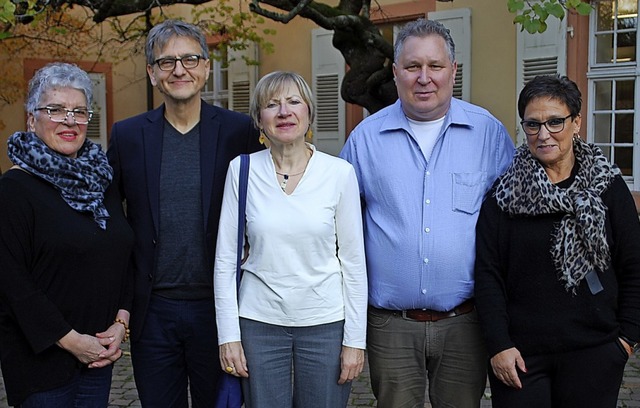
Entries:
{"x":124,"y":394}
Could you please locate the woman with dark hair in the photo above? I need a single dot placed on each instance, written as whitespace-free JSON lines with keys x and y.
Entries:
{"x":558,"y":263}
{"x":64,"y":249}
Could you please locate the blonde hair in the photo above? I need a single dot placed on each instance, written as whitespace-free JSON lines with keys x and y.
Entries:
{"x":272,"y":84}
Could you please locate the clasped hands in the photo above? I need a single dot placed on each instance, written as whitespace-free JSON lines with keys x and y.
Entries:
{"x":95,"y":351}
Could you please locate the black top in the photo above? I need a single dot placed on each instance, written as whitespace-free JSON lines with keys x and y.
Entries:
{"x":58,"y":271}
{"x":181,"y":268}
{"x":520,"y":300}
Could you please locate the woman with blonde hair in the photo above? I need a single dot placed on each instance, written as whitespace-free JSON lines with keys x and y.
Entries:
{"x":296,"y":332}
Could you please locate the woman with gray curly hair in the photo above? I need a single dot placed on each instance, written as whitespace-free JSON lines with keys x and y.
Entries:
{"x":64,"y":248}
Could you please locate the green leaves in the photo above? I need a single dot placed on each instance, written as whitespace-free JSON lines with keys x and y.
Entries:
{"x":532,"y":15}
{"x":584,"y":9}
{"x":234,"y":27}
{"x":515,"y":5}
{"x":7,"y":8}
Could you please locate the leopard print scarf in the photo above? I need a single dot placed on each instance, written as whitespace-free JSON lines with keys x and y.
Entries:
{"x":579,"y":242}
{"x":81,"y":181}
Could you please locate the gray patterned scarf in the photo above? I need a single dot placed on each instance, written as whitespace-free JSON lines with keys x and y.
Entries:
{"x":579,"y":242}
{"x":81,"y":181}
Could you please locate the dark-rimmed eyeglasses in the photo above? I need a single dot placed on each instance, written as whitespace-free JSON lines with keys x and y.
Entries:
{"x":187,"y":61}
{"x":59,"y":114}
{"x":553,"y":125}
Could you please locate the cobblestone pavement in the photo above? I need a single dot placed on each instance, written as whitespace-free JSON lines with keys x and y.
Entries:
{"x":124,"y":394}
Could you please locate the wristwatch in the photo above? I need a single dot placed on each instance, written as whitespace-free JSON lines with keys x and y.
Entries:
{"x":632,"y":344}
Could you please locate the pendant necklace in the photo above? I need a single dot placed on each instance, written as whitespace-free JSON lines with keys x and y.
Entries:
{"x":285,"y":178}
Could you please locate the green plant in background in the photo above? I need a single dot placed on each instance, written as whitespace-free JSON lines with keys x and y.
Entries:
{"x":532,"y":15}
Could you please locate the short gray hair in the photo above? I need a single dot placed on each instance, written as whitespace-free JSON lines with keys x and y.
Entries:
{"x":422,"y":28}
{"x":273,"y":83}
{"x":161,"y":33}
{"x":54,"y":76}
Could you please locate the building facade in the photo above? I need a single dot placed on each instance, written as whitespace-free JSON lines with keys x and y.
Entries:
{"x":495,"y":59}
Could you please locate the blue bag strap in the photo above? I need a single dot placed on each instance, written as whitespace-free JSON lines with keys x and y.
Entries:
{"x":242,"y":206}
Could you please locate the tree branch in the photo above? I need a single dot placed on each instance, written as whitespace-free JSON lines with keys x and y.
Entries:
{"x":283,"y":18}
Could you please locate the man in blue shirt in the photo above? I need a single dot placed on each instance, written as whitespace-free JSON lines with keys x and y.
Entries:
{"x":424,"y":166}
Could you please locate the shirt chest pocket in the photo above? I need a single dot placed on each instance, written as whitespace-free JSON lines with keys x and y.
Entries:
{"x":468,"y":191}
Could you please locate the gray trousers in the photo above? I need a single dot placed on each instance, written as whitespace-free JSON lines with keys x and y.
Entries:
{"x":403,"y":354}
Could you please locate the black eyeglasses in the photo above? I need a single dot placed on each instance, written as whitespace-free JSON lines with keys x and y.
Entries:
{"x":554,"y":125}
{"x":187,"y":61}
{"x":59,"y":114}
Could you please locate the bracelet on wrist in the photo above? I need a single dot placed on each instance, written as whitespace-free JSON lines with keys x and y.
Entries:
{"x":126,"y":329}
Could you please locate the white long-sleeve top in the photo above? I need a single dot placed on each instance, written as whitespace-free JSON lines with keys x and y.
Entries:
{"x":306,"y":263}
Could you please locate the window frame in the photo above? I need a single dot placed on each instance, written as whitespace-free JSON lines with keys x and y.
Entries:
{"x":219,"y":95}
{"x":614,"y":71}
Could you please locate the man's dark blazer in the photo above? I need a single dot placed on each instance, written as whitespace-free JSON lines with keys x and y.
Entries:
{"x":135,"y":151}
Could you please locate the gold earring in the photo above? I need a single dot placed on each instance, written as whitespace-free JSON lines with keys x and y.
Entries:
{"x":262,"y":139}
{"x":309,"y":135}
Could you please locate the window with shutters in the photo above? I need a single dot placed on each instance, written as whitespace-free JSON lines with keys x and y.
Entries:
{"x":327,"y":88}
{"x":233,"y":75}
{"x":613,"y":85}
{"x":97,"y":128}
{"x":328,"y":68}
{"x":241,"y":91}
{"x":216,"y":89}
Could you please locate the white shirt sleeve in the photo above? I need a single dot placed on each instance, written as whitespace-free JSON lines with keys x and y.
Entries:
{"x":350,"y":241}
{"x":224,"y":276}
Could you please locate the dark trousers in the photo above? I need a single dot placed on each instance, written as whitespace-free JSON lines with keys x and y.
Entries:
{"x":577,"y":379}
{"x":89,"y":388}
{"x":178,"y":347}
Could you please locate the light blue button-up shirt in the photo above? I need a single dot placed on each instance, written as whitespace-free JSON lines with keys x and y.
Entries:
{"x":420,"y":217}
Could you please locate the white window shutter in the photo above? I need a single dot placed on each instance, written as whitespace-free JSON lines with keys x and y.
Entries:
{"x":97,"y":128}
{"x":540,"y":54}
{"x":328,"y":69}
{"x":458,"y":21}
{"x":242,"y":77}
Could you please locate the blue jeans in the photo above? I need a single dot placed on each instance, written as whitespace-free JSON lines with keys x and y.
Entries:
{"x":89,"y":388}
{"x":293,"y":366}
{"x":404,"y":353}
{"x":178,"y":348}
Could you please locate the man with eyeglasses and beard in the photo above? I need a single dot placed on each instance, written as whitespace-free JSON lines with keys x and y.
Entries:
{"x":170,"y":165}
